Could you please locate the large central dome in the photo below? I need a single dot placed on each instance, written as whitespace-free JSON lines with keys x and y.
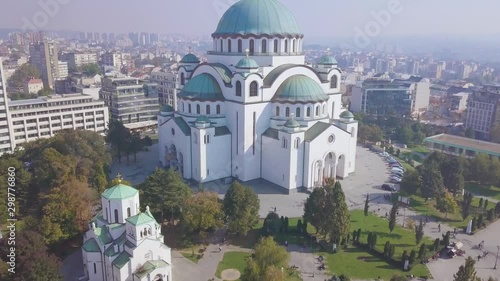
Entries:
{"x":258,"y":17}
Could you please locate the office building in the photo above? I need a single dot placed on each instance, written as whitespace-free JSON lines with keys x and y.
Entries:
{"x":168,"y":83}
{"x":63,"y":71}
{"x":43,"y":117}
{"x":44,"y":57}
{"x":131,"y":100}
{"x":6,"y":133}
{"x":259,"y":114}
{"x":384,"y":96}
{"x":483,"y":111}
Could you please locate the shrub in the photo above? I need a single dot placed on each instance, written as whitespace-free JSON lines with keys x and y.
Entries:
{"x":422,"y":252}
{"x":436,"y":244}
{"x":490,"y":215}
{"x":413,"y":256}
{"x":387,"y":248}
{"x":474,"y":225}
{"x":480,"y":221}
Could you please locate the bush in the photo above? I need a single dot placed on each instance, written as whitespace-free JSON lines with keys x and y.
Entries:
{"x":299,"y":226}
{"x":344,"y":277}
{"x":413,"y":256}
{"x":490,"y":215}
{"x":474,"y":224}
{"x":480,"y":221}
{"x":387,"y":248}
{"x":422,"y":252}
{"x":446,"y":239}
{"x":436,"y":244}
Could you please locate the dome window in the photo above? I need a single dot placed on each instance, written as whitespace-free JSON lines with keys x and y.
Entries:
{"x":264,"y":46}
{"x":217,"y":109}
{"x":208,"y":109}
{"x":275,"y":46}
{"x":229,"y":45}
{"x":333,"y":82}
{"x":183,"y":79}
{"x":252,"y":47}
{"x":287,"y":112}
{"x":198,"y":109}
{"x":240,"y":46}
{"x":254,"y":89}
{"x":286,"y":46}
{"x":297,"y":112}
{"x":277,"y":111}
{"x":238,"y":88}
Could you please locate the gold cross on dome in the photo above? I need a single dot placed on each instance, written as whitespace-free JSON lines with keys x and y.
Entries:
{"x":247,"y":51}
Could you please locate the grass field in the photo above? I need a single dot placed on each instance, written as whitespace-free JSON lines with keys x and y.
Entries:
{"x":481,"y":190}
{"x":193,"y":253}
{"x":233,"y":260}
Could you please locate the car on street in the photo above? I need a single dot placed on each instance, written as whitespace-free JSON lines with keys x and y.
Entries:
{"x":394,"y":169}
{"x":388,"y":187}
{"x":395,"y":180}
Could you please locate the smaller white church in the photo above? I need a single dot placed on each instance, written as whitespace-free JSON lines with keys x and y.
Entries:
{"x":123,"y":243}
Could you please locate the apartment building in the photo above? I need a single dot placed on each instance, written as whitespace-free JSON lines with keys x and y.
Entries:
{"x":76,"y":60}
{"x":44,"y":117}
{"x":383,"y":96}
{"x":44,"y":57}
{"x":6,"y":133}
{"x":168,"y":83}
{"x":131,"y":100}
{"x":32,"y":86}
{"x":117,"y":59}
{"x":483,"y":110}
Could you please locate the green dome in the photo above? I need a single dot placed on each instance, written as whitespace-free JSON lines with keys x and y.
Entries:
{"x":167,"y":108}
{"x":257,"y":17}
{"x":247,"y":63}
{"x":347,"y":115}
{"x":202,"y":119}
{"x":292,"y":123}
{"x":300,"y":89}
{"x":327,"y":60}
{"x":202,"y":87}
{"x":190,"y":58}
{"x":119,"y":191}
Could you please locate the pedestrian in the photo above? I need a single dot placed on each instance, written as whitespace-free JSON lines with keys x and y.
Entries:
{"x":220,"y":249}
{"x":478,"y":257}
{"x":275,"y":209}
{"x":439,"y":227}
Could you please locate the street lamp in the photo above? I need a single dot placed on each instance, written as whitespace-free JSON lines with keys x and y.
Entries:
{"x":496,"y":260}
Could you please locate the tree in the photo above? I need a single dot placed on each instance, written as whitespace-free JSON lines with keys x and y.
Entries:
{"x":446,"y":203}
{"x":436,"y":244}
{"x":413,"y":256}
{"x":33,"y":262}
{"x":404,"y":256}
{"x":165,"y":192}
{"x":480,"y":221}
{"x":497,"y":209}
{"x":480,"y":202}
{"x":21,"y":74}
{"x":419,"y":232}
{"x":387,"y":247}
{"x":390,"y":150}
{"x":117,"y":135}
{"x":267,"y":255}
{"x":474,"y":224}
{"x":485,"y":206}
{"x":452,"y":172}
{"x":273,"y":273}
{"x":398,"y":152}
{"x":495,"y":134}
{"x":404,"y":134}
{"x":392,"y":250}
{"x":470,"y":133}
{"x":412,"y":182}
{"x":446,"y":238}
{"x":340,"y":214}
{"x":241,"y":208}
{"x":370,"y":133}
{"x":202,"y":212}
{"x":466,"y":204}
{"x":367,"y":205}
{"x":68,"y":209}
{"x":272,"y":223}
{"x":90,"y":69}
{"x":422,"y":252}
{"x":393,"y":216}
{"x":466,"y":272}
{"x":432,"y":181}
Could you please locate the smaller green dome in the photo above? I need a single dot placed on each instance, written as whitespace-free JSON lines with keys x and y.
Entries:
{"x":292,"y":123}
{"x":167,"y":108}
{"x":300,"y":89}
{"x":247,"y":63}
{"x":347,"y":115}
{"x":202,"y":87}
{"x":327,"y":60}
{"x":119,"y":191}
{"x":202,"y":119}
{"x":190,"y":58}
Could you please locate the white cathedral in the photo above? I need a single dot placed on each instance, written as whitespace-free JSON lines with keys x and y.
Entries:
{"x":256,"y":109}
{"x":123,"y":243}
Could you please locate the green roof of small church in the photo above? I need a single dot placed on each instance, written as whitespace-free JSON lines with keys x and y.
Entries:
{"x":327,"y":60}
{"x":202,"y":119}
{"x":247,"y":63}
{"x":347,"y":115}
{"x":141,"y":218}
{"x":119,"y":191}
{"x":102,"y":233}
{"x":91,"y":246}
{"x":292,"y":123}
{"x":121,"y":260}
{"x":257,"y":17}
{"x":190,"y":58}
{"x":202,"y":87}
{"x":300,"y":89}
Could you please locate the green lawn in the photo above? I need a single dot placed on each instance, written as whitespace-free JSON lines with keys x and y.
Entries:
{"x":356,"y":263}
{"x":429,"y":209}
{"x":481,"y":190}
{"x":233,"y":260}
{"x":420,"y":149}
{"x":193,"y":253}
{"x":293,"y":237}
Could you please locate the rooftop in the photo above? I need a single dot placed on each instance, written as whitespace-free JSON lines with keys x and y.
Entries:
{"x":141,"y":218}
{"x":119,"y":191}
{"x":466,"y":143}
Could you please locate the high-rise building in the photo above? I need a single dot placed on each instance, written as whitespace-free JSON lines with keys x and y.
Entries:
{"x":483,"y":111}
{"x":44,"y":57}
{"x":63,"y":70}
{"x":6,"y":132}
{"x":134,"y":37}
{"x":131,"y":100}
{"x":168,"y":83}
{"x":154,"y":38}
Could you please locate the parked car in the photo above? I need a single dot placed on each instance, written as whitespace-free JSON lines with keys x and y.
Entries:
{"x":396,"y":169}
{"x":388,"y":187}
{"x":399,"y":175}
{"x":395,"y":180}
{"x":397,"y":166}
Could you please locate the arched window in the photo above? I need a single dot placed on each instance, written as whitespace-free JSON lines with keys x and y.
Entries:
{"x":296,"y":143}
{"x":229,"y":45}
{"x":277,"y":111}
{"x":238,"y":88}
{"x":240,"y":46}
{"x":198,"y":109}
{"x":287,"y":112}
{"x":285,"y":143}
{"x":189,"y":108}
{"x":183,"y":79}
{"x":222,"y":45}
{"x":217,"y":109}
{"x":116,"y":216}
{"x":333,"y":82}
{"x":252,"y":46}
{"x":293,"y":46}
{"x":208,"y":109}
{"x":95,"y":268}
{"x":275,"y":45}
{"x":254,"y":89}
{"x":317,"y":110}
{"x":264,"y":46}
{"x":308,"y":112}
{"x":297,"y":112}
{"x":183,"y":108}
{"x":286,"y":46}
{"x":128,"y":212}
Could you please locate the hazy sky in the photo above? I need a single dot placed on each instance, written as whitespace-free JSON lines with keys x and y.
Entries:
{"x":317,"y":18}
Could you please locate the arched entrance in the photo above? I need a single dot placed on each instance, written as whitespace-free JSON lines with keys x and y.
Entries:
{"x":341,"y":167}
{"x":158,"y":277}
{"x":317,"y":173}
{"x":330,"y":171}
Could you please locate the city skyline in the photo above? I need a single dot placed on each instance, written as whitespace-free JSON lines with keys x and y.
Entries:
{"x":406,"y":17}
